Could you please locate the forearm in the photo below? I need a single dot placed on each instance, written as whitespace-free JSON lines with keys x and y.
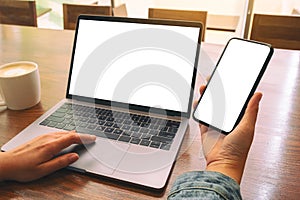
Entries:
{"x":204,"y":185}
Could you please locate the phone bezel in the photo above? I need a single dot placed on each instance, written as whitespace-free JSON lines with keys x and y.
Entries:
{"x":263,"y":69}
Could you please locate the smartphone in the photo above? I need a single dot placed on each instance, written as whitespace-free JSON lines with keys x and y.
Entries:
{"x":232,"y":83}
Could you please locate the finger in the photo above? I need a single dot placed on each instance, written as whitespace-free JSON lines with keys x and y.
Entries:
{"x":86,"y":138}
{"x":202,"y":88}
{"x":74,"y":138}
{"x":252,"y":109}
{"x":203,"y":129}
{"x":195,"y":103}
{"x":68,"y":139}
{"x":249,"y":119}
{"x":208,"y":77}
{"x":57,"y":163}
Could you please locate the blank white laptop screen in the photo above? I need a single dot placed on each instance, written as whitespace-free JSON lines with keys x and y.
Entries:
{"x":152,"y":76}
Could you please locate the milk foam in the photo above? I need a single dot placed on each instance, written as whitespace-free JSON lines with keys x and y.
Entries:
{"x":16,"y":70}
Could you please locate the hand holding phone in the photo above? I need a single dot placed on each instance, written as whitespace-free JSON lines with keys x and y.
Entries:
{"x":233,"y":82}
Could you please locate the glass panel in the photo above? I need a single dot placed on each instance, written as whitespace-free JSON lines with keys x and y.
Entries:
{"x":280,"y":7}
{"x":225,"y":18}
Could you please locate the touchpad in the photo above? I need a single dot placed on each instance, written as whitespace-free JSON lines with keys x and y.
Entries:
{"x":101,"y":157}
{"x":141,"y":160}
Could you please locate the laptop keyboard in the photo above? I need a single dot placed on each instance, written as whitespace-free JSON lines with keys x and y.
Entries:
{"x":115,"y":125}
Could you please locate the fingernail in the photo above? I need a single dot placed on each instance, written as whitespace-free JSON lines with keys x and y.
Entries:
{"x":73,"y":157}
{"x":93,"y":137}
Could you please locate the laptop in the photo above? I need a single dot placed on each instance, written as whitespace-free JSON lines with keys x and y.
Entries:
{"x":131,"y":84}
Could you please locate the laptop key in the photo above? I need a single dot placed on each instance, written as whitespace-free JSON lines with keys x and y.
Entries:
{"x":92,"y":120}
{"x":127,"y":133}
{"x":154,"y":126}
{"x":52,"y":124}
{"x":173,"y":124}
{"x":136,"y":134}
{"x":87,"y":115}
{"x":101,"y":122}
{"x":127,"y":122}
{"x":135,"y":140}
{"x":89,"y":131}
{"x":161,"y":139}
{"x":62,"y":110}
{"x":146,"y":136}
{"x":145,"y":142}
{"x":84,"y":119}
{"x":166,"y":134}
{"x":172,"y":130}
{"x":100,"y":128}
{"x":118,"y":121}
{"x":164,"y":129}
{"x":101,"y":117}
{"x":109,"y":130}
{"x":118,"y":131}
{"x":55,"y":119}
{"x":111,"y":136}
{"x":45,"y":122}
{"x":108,"y":124}
{"x":165,"y":146}
{"x":116,"y":126}
{"x":69,"y":127}
{"x":155,"y":144}
{"x":124,"y":138}
{"x":153,"y":132}
{"x":60,"y":125}
{"x":92,"y":126}
{"x":144,"y":130}
{"x":58,"y":114}
{"x":68,"y":116}
{"x":135,"y":129}
{"x":110,"y":119}
{"x":145,"y":125}
{"x":126,"y":127}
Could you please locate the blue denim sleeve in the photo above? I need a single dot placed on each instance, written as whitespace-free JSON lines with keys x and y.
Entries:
{"x":204,"y":185}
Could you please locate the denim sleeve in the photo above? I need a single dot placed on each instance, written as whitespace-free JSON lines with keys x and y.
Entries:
{"x":204,"y":185}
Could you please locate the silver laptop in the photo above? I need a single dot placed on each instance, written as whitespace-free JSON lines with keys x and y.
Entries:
{"x":131,"y":84}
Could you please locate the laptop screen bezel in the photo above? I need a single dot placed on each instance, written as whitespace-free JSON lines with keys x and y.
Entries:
{"x":132,"y":106}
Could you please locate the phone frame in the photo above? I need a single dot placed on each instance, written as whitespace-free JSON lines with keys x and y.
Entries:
{"x":263,"y":69}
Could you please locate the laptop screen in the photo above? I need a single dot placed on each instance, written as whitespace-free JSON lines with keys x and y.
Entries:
{"x":147,"y":63}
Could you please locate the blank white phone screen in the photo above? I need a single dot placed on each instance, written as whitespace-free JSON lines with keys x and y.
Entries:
{"x":231,"y":83}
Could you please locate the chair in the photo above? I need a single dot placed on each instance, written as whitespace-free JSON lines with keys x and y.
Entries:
{"x":72,"y":11}
{"x":18,"y":12}
{"x":278,"y":30}
{"x":120,"y":11}
{"x":188,"y":15}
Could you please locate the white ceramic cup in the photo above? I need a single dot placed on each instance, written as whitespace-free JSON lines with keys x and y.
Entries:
{"x":20,"y":86}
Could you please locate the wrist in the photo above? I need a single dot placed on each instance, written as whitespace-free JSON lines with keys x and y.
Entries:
{"x":232,"y":169}
{"x":2,"y":166}
{"x":5,"y":167}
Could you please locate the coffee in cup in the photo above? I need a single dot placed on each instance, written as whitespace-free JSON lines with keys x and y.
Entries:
{"x":20,"y":85}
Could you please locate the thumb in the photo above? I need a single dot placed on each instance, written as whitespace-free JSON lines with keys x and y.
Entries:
{"x":249,"y":119}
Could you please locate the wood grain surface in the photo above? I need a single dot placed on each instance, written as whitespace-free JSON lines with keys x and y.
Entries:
{"x":272,"y":170}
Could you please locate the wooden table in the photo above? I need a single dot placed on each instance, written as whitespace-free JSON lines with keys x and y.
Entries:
{"x":272,"y":170}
